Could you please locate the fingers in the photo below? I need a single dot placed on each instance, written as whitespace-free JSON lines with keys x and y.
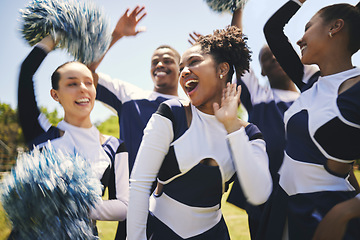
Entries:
{"x":216,"y":107}
{"x":230,"y":90}
{"x":194,"y":36}
{"x":137,"y":12}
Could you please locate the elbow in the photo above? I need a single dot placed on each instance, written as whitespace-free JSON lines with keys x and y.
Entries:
{"x":267,"y":28}
{"x":261,"y":196}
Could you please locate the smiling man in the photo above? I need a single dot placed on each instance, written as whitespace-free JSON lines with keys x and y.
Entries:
{"x":134,"y":106}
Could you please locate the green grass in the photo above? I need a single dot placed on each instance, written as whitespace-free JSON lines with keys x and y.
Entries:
{"x":235,"y":218}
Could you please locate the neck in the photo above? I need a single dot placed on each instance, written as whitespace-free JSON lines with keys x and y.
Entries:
{"x":79,"y":122}
{"x":334,"y":67}
{"x":335,"y":62}
{"x":168,"y":91}
{"x":206,"y":109}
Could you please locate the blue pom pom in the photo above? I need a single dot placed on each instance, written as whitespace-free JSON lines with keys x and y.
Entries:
{"x":225,"y":5}
{"x":80,"y":27}
{"x":48,"y":194}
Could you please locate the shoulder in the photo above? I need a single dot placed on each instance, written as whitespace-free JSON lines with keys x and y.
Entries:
{"x":170,"y":108}
{"x":50,"y":135}
{"x":112,"y":145}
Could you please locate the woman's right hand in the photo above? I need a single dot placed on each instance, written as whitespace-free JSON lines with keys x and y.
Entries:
{"x":49,"y":42}
{"x":126,"y":26}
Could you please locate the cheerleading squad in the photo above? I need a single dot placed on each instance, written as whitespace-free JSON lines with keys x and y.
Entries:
{"x":176,"y":157}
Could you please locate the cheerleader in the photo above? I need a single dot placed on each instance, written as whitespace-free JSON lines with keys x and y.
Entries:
{"x":73,"y":87}
{"x":322,"y":127}
{"x":195,"y":149}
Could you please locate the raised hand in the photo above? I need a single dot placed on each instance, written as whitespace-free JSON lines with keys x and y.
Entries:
{"x":194,"y":37}
{"x":226,"y":113}
{"x":49,"y":42}
{"x":126,"y":26}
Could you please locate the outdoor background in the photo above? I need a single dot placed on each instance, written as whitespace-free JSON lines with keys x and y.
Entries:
{"x":167,"y":22}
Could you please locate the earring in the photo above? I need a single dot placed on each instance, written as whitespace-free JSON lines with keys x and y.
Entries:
{"x":221,"y":76}
{"x":330,"y":34}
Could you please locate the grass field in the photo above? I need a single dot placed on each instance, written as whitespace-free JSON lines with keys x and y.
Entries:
{"x":235,"y":218}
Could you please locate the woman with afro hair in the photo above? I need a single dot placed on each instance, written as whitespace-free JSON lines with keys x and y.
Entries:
{"x":195,"y":149}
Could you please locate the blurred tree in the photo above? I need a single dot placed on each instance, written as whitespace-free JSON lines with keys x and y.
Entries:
{"x":10,"y":131}
{"x":53,"y":117}
{"x":109,"y":126}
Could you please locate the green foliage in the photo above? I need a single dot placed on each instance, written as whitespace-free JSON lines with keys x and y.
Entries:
{"x":53,"y":117}
{"x":110,"y":126}
{"x":10,"y":131}
{"x":5,"y":225}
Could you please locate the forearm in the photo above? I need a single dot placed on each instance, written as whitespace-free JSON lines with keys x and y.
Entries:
{"x":237,"y":18}
{"x":27,"y":105}
{"x":109,"y":210}
{"x":280,"y":44}
{"x":251,"y":163}
{"x":93,"y":66}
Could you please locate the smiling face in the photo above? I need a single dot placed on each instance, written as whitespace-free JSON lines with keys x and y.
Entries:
{"x":200,"y":79}
{"x":314,"y":42}
{"x":76,"y":93}
{"x":165,"y":71}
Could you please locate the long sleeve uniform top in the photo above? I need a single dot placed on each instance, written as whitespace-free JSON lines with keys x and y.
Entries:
{"x":321,"y":124}
{"x":134,"y":107}
{"x":109,"y":160}
{"x":172,"y":153}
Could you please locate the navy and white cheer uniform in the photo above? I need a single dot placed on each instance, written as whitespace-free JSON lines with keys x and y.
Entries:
{"x":108,"y":160}
{"x":134,"y":107}
{"x":173,"y":153}
{"x":265,"y":107}
{"x":320,"y":125}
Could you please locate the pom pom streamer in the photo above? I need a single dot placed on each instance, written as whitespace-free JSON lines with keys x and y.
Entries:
{"x":78,"y":27}
{"x":226,"y":5}
{"x":48,"y":194}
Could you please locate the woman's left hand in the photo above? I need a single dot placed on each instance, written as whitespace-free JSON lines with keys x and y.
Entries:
{"x":227,"y":112}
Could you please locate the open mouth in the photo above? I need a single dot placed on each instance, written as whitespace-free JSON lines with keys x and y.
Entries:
{"x":160,"y":73}
{"x":190,"y":85}
{"x":302,"y":49}
{"x":82,"y":101}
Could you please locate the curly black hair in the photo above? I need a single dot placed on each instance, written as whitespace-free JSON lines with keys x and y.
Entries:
{"x":227,"y":45}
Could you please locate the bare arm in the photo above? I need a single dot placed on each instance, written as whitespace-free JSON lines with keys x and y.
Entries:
{"x":333,"y":225}
{"x":126,"y":26}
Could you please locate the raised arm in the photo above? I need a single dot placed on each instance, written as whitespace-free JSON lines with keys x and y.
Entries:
{"x":126,"y":26}
{"x":27,"y":106}
{"x":280,"y":45}
{"x":247,"y":147}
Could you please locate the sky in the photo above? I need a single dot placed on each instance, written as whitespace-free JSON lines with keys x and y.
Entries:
{"x":167,"y":22}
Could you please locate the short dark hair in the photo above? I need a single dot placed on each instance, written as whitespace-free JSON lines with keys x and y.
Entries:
{"x":55,"y":77}
{"x":177,"y":55}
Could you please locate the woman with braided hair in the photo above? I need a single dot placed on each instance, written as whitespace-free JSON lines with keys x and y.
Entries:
{"x":196,"y":149}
